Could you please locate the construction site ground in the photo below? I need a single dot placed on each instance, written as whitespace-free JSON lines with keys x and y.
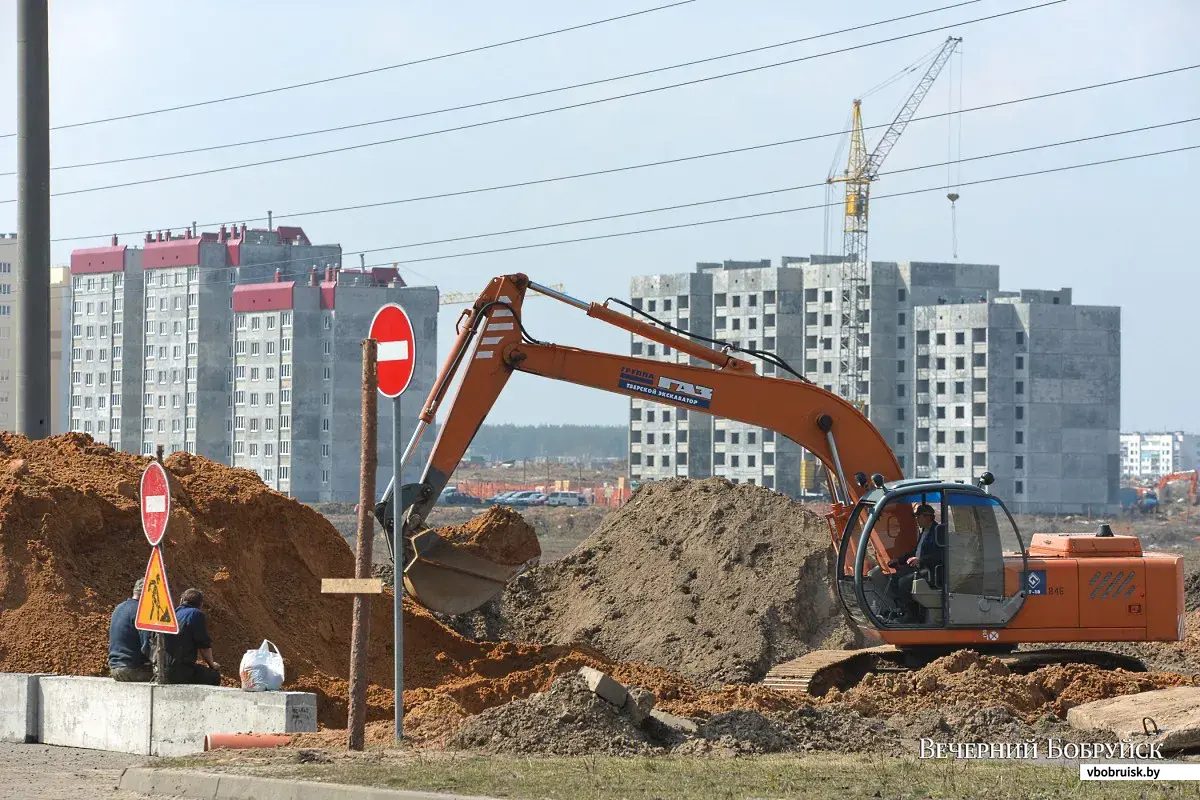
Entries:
{"x":687,"y":595}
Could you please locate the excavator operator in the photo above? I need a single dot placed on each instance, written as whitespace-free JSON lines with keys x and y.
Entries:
{"x":922,"y":561}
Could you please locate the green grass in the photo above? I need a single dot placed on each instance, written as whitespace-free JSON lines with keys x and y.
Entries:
{"x":815,"y":777}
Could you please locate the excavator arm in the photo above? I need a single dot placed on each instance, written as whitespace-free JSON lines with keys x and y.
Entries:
{"x":492,"y":343}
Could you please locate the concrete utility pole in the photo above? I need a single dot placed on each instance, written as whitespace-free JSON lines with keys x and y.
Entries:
{"x":33,"y":219}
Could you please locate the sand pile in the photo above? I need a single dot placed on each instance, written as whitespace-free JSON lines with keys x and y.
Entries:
{"x":71,"y":547}
{"x":499,"y":534}
{"x":969,"y":679}
{"x":712,"y":580}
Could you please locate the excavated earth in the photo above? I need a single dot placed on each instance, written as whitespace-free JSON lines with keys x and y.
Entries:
{"x":715,"y":581}
{"x":499,"y":534}
{"x":691,"y":591}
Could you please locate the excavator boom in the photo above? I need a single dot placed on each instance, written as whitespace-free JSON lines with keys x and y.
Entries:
{"x":493,"y":343}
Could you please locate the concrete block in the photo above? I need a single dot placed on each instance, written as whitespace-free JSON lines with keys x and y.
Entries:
{"x":19,"y":707}
{"x":604,"y":686}
{"x":183,"y":715}
{"x":95,"y":713}
{"x":682,"y":724}
{"x":1176,"y":712}
{"x":639,"y":705}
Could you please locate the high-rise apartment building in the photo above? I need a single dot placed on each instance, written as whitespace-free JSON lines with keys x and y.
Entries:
{"x":8,"y":331}
{"x":170,"y":344}
{"x":1149,"y":456}
{"x":1069,"y":359}
{"x":1024,"y":385}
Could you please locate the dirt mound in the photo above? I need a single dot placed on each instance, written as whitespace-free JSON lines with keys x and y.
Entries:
{"x":713,"y":580}
{"x":499,"y":534}
{"x":969,"y":679}
{"x":567,"y":720}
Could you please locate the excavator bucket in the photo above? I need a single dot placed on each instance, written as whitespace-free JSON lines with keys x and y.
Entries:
{"x":447,"y":580}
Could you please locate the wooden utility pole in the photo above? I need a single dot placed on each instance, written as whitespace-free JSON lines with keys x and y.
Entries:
{"x":362,"y":547}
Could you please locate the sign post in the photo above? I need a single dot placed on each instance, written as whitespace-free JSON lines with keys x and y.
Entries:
{"x":156,"y":609}
{"x":396,"y":356}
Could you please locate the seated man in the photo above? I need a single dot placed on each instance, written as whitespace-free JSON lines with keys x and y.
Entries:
{"x":921,"y":561}
{"x":128,"y":648}
{"x":191,"y":641}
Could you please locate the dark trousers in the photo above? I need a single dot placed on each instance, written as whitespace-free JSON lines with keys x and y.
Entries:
{"x":142,"y":674}
{"x":193,"y":673}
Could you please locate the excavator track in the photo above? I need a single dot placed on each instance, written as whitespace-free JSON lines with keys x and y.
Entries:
{"x":822,"y":670}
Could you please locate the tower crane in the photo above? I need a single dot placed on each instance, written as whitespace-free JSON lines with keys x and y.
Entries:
{"x":861,"y":170}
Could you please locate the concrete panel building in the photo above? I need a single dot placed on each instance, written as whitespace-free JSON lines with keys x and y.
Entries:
{"x":1024,"y":385}
{"x":8,"y":328}
{"x":664,"y":442}
{"x":1149,"y":456}
{"x":242,"y":346}
{"x":958,"y":376}
{"x":60,"y":362}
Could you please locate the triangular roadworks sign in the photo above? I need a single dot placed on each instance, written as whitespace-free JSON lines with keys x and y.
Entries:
{"x":156,"y":611}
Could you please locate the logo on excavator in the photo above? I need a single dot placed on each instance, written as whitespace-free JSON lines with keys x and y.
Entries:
{"x":692,"y":394}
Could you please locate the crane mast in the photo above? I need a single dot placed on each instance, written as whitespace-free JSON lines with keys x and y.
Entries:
{"x":861,"y":170}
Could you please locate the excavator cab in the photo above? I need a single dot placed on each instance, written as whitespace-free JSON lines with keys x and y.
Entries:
{"x":973,"y":572}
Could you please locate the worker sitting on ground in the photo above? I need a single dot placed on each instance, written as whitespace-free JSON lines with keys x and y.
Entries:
{"x":128,"y":648}
{"x":191,"y":641}
{"x":921,"y":562}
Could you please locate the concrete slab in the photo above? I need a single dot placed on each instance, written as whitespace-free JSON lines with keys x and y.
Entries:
{"x":604,"y":686}
{"x":682,"y":724}
{"x":184,"y":715}
{"x":19,"y":707}
{"x":96,"y":713}
{"x":1175,"y":712}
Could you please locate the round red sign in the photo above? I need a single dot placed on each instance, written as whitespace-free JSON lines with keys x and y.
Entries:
{"x":396,"y":351}
{"x":156,"y":502}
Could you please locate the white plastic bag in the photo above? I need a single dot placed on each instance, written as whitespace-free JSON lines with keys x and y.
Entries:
{"x":261,"y":670}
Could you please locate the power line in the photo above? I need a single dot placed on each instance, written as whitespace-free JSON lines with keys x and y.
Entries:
{"x":781,"y":211}
{"x":361,"y":73}
{"x":1095,"y":137}
{"x":664,"y":162}
{"x":356,"y":125}
{"x":485,"y":123}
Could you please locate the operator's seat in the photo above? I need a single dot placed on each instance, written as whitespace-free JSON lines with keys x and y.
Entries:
{"x":929,"y":599}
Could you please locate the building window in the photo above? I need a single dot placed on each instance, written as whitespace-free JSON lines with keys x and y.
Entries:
{"x":1019,"y":412}
{"x":255,"y":348}
{"x":1019,"y":462}
{"x":900,"y":319}
{"x":327,"y":373}
{"x":1019,"y":437}
{"x":253,"y":424}
{"x":285,"y":448}
{"x":980,"y":359}
{"x":285,"y":345}
{"x":1020,"y":338}
{"x":1019,"y":487}
{"x":239,"y":423}
{"x":1020,"y":387}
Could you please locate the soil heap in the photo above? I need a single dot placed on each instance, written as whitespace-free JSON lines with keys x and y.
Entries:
{"x":966,"y":678}
{"x":713,"y":580}
{"x":499,"y":534}
{"x":71,"y":547}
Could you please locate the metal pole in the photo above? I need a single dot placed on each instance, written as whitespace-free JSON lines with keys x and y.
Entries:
{"x":33,"y":220}
{"x":398,"y":574}
{"x":362,"y":548}
{"x":160,"y":639}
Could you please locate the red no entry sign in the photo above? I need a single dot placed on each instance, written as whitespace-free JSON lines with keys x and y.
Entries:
{"x":396,"y":352}
{"x":156,"y":502}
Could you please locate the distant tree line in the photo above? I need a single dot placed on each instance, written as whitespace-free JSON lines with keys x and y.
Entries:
{"x":531,"y":442}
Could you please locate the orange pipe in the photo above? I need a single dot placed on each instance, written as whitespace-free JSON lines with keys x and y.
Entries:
{"x":245,"y":741}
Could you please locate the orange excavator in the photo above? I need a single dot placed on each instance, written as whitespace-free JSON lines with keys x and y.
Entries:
{"x":1191,"y":476}
{"x":991,"y":589}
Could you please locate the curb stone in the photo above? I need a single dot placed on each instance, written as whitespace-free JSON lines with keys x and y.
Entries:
{"x":220,"y":786}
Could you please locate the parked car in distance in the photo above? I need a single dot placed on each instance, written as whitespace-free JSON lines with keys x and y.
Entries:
{"x":526,"y":498}
{"x":566,"y":499}
{"x":501,"y":498}
{"x":451,"y":496}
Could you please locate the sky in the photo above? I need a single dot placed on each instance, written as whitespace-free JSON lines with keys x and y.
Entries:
{"x":1118,"y":234}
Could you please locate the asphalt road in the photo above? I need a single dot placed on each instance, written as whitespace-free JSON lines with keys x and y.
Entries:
{"x":41,"y":772}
